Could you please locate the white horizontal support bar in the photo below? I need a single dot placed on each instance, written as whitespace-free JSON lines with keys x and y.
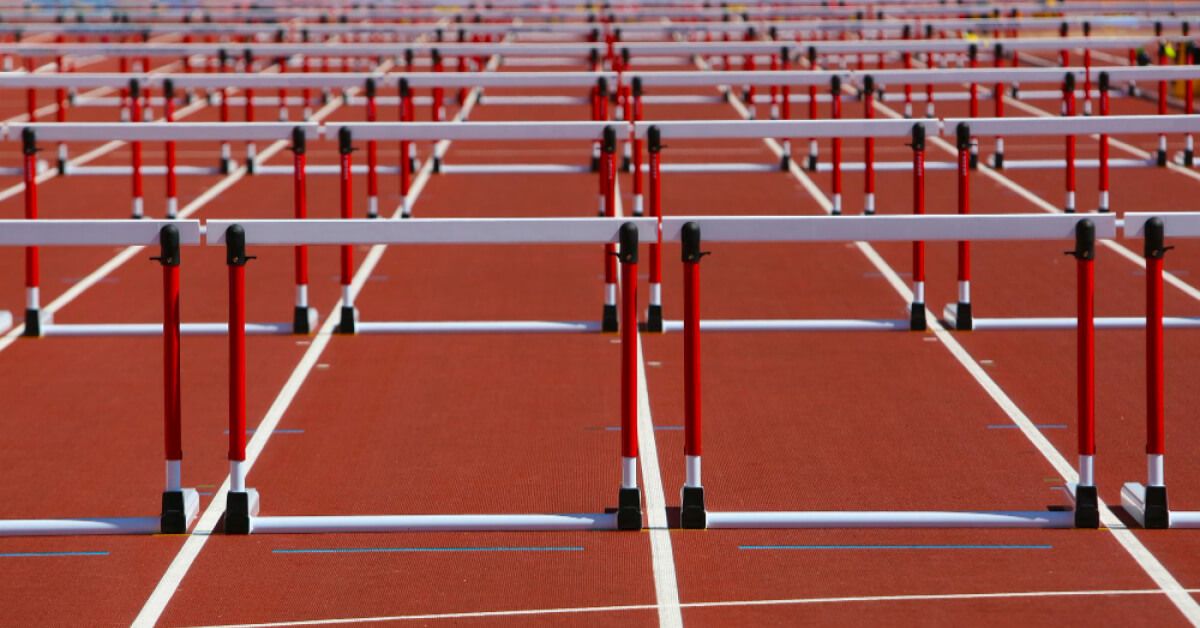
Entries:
{"x":1053,"y":164}
{"x":900,"y":228}
{"x":155,"y":329}
{"x":695,"y":129}
{"x":432,"y":231}
{"x":716,"y":167}
{"x":431,"y":523}
{"x":1057,"y":323}
{"x":474,"y":327}
{"x":892,"y":519}
{"x":1175,"y":224}
{"x":74,"y":527}
{"x":513,"y":169}
{"x":1077,"y":125}
{"x":889,"y":166}
{"x":793,"y":325}
{"x":525,"y":101}
{"x":522,"y":131}
{"x":160,"y":131}
{"x":93,"y":232}
{"x":1184,"y":519}
{"x":81,"y":171}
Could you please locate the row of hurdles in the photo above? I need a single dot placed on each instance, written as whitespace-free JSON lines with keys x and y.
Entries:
{"x":915,"y":134}
{"x":1146,"y":503}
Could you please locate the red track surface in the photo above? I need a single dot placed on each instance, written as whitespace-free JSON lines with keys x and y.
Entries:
{"x":493,"y":423}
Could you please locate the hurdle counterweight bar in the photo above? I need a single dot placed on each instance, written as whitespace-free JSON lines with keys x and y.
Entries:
{"x":654,"y":311}
{"x":608,"y":207}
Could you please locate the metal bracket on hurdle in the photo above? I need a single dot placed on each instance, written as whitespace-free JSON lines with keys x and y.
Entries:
{"x":688,"y":230}
{"x":242,"y":508}
{"x":179,"y":505}
{"x":1147,"y":503}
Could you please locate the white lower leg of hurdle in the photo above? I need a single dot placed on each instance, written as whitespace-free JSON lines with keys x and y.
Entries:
{"x":892,"y":519}
{"x":869,"y":204}
{"x":432,"y":523}
{"x":1087,"y":470}
{"x":172,"y":207}
{"x":629,"y":472}
{"x":1103,"y":201}
{"x":62,"y":155}
{"x":600,"y":205}
{"x":638,"y":206}
{"x":67,"y":330}
{"x":226,"y":155}
{"x":692,"y":476}
{"x":373,"y":207}
{"x":76,"y":527}
{"x":837,"y":204}
{"x":929,"y":111}
{"x":138,"y":209}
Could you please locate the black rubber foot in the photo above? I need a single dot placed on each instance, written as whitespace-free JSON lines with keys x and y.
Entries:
{"x":691,"y":514}
{"x":629,"y":509}
{"x":1189,"y":158}
{"x":249,"y":166}
{"x":916,"y":317}
{"x":437,"y":165}
{"x":62,"y":167}
{"x":346,"y":322}
{"x":785,"y":162}
{"x":595,"y":164}
{"x":962,"y":318}
{"x":413,"y":164}
{"x":974,"y":161}
{"x":811,"y":166}
{"x":300,"y":320}
{"x":608,"y":322}
{"x":1157,"y":515}
{"x":626,"y":164}
{"x":1087,"y":507}
{"x":174,"y":513}
{"x":237,"y":513}
{"x":1161,"y":159}
{"x":998,"y":161}
{"x":33,"y":323}
{"x":224,"y":166}
{"x":654,"y":320}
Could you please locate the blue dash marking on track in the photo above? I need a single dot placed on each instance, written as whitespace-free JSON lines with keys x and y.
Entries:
{"x":893,"y":547}
{"x":386,"y":550}
{"x":49,"y":554}
{"x":1040,"y":426}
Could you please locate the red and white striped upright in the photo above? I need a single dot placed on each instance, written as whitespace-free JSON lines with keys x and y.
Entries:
{"x":608,"y":209}
{"x":1087,"y":72}
{"x":917,"y":307}
{"x":33,"y":307}
{"x":1162,"y":107}
{"x":692,"y":513}
{"x":60,"y":109}
{"x":251,"y":148}
{"x":629,"y":511}
{"x":407,"y":150}
{"x":439,"y":92}
{"x":179,"y":505}
{"x":785,"y":105}
{"x":349,"y":314}
{"x":930,"y":111}
{"x":1189,"y":108}
{"x":654,"y":316}
{"x":372,"y":114}
{"x":303,"y":318}
{"x":282,"y":63}
{"x":1087,"y":513}
{"x":1156,"y":513}
{"x":835,"y":102}
{"x":135,"y":149}
{"x":973,"y":110}
{"x":241,"y":503}
{"x":998,"y":96}
{"x":223,"y":95}
{"x":906,"y":57}
{"x":869,"y":147}
{"x":962,"y":318}
{"x":1068,"y":110}
{"x":633,"y":115}
{"x":306,"y":67}
{"x":813,"y":112}
{"x":1102,"y":179}
{"x":172,"y":183}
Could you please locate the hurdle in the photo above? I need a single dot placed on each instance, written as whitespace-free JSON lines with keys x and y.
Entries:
{"x":1083,"y":231}
{"x":960,"y":315}
{"x":179,"y":505}
{"x":656,"y":132}
{"x":241,"y":515}
{"x":1147,"y":503}
{"x":39,"y":323}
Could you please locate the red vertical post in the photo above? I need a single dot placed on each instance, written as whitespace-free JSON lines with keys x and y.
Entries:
{"x":372,"y":154}
{"x":1069,"y":111}
{"x":301,"y":323}
{"x":236,"y":259}
{"x":609,"y":320}
{"x":169,"y":258}
{"x":869,"y":147}
{"x":629,"y":516}
{"x":998,"y":95}
{"x":917,"y":308}
{"x":1103,"y":177}
{"x":692,"y":513}
{"x":169,"y":116}
{"x":1086,"y":508}
{"x":963,"y":319}
{"x":1087,"y":72}
{"x":654,"y":319}
{"x":835,"y":95}
{"x":346,"y":150}
{"x":906,"y":56}
{"x":1156,"y":513}
{"x":135,"y":148}
{"x":29,"y":151}
{"x":406,"y":149}
{"x":635,"y":143}
{"x":439,"y":92}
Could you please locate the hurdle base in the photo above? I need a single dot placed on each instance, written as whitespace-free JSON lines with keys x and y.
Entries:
{"x":1147,"y":505}
{"x":1087,"y":505}
{"x":997,"y":161}
{"x":36,"y":321}
{"x":1160,"y":159}
{"x":348,"y":320}
{"x":304,"y":320}
{"x":79,"y":527}
{"x":916,"y":317}
{"x":654,"y":319}
{"x":811,"y":165}
{"x":5,"y":320}
{"x":240,"y":509}
{"x":891,"y":519}
{"x":179,"y":510}
{"x":608,"y":320}
{"x":692,"y":515}
{"x":629,"y":509}
{"x":958,"y":316}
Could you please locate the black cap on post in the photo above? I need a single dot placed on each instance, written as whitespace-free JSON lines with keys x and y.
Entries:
{"x":868,"y":84}
{"x":28,"y":141}
{"x":1085,"y":241}
{"x":1063,"y":29}
{"x":135,"y":90}
{"x":235,"y":246}
{"x":973,"y":52}
{"x":689,"y":237}
{"x":628,"y":236}
{"x":404,"y":89}
{"x":299,"y":141}
{"x":636,"y":86}
{"x":963,"y":135}
{"x":369,"y":88}
{"x":1087,"y":28}
{"x":1103,"y":82}
{"x":835,"y":85}
{"x":168,"y":89}
{"x":918,"y":137}
{"x":222,"y":56}
{"x":248,"y":59}
{"x":653,"y":140}
{"x":1155,"y":239}
{"x":345,"y":142}
{"x":998,"y":51}
{"x":168,"y":241}
{"x":602,"y":87}
{"x":609,"y":144}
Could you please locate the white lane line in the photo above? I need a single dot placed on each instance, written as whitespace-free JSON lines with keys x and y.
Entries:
{"x":624,"y":608}
{"x":662,"y":557}
{"x":1146,"y":560}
